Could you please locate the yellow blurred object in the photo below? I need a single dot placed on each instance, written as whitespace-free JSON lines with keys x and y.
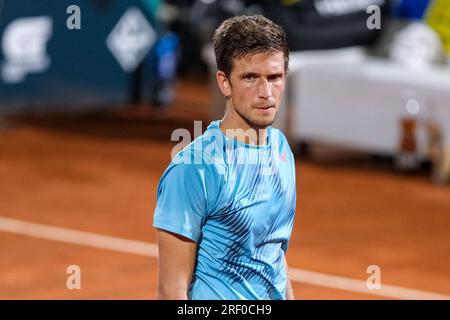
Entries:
{"x":438,"y":17}
{"x":290,"y":2}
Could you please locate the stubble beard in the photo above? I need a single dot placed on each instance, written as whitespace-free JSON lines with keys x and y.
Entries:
{"x":254,"y":123}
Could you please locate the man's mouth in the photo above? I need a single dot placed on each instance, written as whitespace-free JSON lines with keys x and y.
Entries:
{"x":265,"y":107}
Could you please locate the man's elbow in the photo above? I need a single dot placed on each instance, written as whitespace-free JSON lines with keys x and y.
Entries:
{"x":172,"y":293}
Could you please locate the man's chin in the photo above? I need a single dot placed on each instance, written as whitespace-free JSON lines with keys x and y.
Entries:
{"x":263,"y":123}
{"x":260,"y":120}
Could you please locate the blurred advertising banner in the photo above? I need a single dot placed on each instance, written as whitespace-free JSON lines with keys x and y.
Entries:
{"x":327,"y":24}
{"x":309,"y":24}
{"x":76,"y":55}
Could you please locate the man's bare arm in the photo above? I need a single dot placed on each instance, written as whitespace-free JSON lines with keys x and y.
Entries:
{"x":175,"y":265}
{"x":289,"y":290}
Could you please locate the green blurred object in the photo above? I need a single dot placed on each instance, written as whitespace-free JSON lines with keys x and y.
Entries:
{"x":152,"y":5}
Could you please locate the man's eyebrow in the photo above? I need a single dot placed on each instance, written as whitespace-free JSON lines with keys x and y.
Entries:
{"x":275,"y":75}
{"x":249,"y":74}
{"x":257,"y":75}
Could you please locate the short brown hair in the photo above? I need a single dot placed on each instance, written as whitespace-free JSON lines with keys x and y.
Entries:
{"x":242,"y":36}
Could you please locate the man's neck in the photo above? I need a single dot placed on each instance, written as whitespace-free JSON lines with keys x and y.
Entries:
{"x":233,"y":126}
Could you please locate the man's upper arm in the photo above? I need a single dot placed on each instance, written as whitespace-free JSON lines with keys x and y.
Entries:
{"x":175,"y":264}
{"x":186,"y":194}
{"x":289,"y":290}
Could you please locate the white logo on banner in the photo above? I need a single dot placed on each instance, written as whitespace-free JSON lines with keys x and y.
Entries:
{"x":341,"y":7}
{"x":131,"y":39}
{"x":24,"y":45}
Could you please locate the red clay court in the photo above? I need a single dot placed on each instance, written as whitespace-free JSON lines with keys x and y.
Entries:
{"x":81,"y":191}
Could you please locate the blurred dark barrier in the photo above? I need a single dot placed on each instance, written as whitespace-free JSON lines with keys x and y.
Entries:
{"x":117,"y":52}
{"x":309,"y":24}
{"x":327,"y":24}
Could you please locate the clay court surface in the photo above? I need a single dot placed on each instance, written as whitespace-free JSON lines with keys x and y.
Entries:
{"x":98,"y":174}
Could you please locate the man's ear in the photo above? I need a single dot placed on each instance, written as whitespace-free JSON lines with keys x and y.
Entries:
{"x":224,"y":83}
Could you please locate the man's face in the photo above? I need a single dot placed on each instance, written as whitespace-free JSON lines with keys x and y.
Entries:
{"x":256,"y":86}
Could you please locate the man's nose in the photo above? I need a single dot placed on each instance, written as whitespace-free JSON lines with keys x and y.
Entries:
{"x":264,"y":89}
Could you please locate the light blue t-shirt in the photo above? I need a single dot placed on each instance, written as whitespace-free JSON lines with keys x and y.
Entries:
{"x":237,"y":202}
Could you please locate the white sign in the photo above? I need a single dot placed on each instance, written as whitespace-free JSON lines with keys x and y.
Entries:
{"x":131,"y":39}
{"x":24,"y":46}
{"x":341,"y":7}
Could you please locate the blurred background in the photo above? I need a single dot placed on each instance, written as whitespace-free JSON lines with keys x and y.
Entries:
{"x":92,"y":90}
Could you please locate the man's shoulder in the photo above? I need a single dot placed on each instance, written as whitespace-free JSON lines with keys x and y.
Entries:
{"x":277,"y":134}
{"x":278,"y":139}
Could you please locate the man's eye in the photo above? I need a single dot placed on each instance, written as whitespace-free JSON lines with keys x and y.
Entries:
{"x":250,"y":77}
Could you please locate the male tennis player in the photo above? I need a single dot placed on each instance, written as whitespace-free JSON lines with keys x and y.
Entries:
{"x":226,"y":202}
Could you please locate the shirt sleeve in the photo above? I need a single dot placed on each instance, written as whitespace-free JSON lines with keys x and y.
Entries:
{"x":186,"y":194}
